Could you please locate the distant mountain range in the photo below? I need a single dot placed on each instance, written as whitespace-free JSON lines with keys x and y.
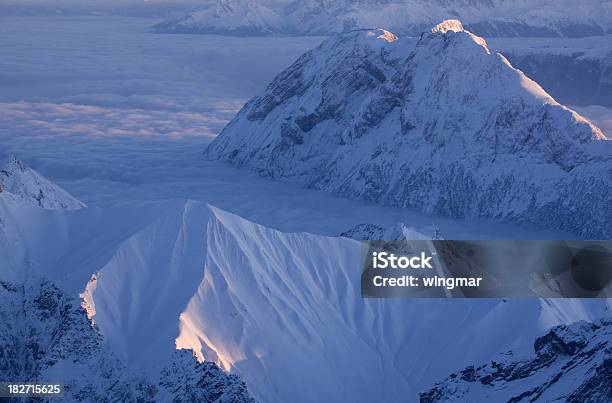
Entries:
{"x":404,"y":17}
{"x":442,"y":124}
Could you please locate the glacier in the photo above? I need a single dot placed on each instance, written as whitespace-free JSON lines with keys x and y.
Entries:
{"x":443,"y":124}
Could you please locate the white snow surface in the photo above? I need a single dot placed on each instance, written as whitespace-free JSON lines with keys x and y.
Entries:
{"x":282,"y":310}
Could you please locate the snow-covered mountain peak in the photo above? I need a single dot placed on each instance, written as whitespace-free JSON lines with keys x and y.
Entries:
{"x":448,"y":25}
{"x":19,"y":180}
{"x":451,"y":33}
{"x":442,"y":124}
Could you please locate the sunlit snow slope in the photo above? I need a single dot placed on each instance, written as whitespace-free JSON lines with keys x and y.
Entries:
{"x":283,"y":311}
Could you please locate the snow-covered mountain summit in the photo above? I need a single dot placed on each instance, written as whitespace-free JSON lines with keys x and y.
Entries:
{"x":544,"y":18}
{"x":22,"y":181}
{"x":442,"y":124}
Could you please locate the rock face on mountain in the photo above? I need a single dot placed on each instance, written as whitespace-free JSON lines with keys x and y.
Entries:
{"x":442,"y":124}
{"x":571,"y":364}
{"x":18,"y":179}
{"x":541,"y":18}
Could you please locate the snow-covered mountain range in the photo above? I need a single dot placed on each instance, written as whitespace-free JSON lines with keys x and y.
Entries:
{"x":571,"y":364}
{"x":543,"y":18}
{"x":442,"y":124}
{"x":283,"y":311}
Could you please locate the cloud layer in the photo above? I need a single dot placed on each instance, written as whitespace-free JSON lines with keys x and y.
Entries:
{"x":94,"y":121}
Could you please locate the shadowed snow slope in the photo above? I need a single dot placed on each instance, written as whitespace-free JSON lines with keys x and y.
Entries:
{"x":442,"y":124}
{"x":282,"y":310}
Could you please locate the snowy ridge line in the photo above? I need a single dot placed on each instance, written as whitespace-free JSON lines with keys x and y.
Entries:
{"x":283,"y":311}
